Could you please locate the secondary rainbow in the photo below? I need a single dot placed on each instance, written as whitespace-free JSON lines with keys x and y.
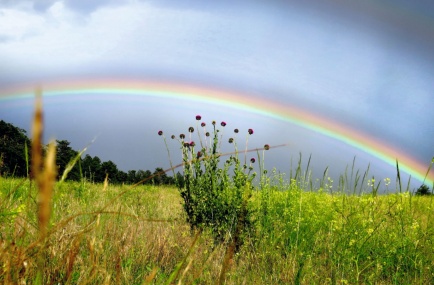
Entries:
{"x":237,"y":100}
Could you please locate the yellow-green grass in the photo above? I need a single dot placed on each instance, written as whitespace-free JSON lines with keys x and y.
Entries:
{"x":141,"y":237}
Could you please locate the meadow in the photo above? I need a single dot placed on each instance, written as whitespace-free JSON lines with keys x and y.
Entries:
{"x":97,"y":236}
{"x":223,"y":223}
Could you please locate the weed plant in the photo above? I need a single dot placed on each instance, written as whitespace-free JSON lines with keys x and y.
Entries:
{"x":215,"y":193}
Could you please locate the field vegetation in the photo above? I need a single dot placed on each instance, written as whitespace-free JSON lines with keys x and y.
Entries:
{"x":221,"y":223}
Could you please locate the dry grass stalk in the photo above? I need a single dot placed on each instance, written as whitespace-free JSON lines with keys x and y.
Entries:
{"x":151,"y":276}
{"x":227,"y":262}
{"x":37,"y":130}
{"x":105,"y":183}
{"x":46,"y":184}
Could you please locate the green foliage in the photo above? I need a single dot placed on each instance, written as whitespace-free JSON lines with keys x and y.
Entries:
{"x":13,"y":151}
{"x":423,"y":190}
{"x":15,"y":154}
{"x":215,"y":193}
{"x":66,"y":155}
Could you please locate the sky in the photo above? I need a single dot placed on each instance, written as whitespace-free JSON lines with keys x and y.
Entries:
{"x":365,"y":67}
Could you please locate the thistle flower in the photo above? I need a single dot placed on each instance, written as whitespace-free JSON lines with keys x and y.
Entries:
{"x":231,"y":140}
{"x":203,"y":124}
{"x":173,"y":137}
{"x":190,"y":129}
{"x":213,"y":122}
{"x":186,"y":144}
{"x":250,"y":131}
{"x":192,"y":143}
{"x":266,"y":147}
{"x":199,"y":155}
{"x":160,"y":133}
{"x":236,"y":131}
{"x":207,"y":134}
{"x":223,"y":124}
{"x":252,"y":160}
{"x":182,"y":136}
{"x":198,"y":117}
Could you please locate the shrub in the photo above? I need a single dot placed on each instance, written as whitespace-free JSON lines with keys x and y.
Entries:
{"x":215,"y":193}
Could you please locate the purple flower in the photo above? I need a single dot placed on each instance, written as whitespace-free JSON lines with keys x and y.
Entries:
{"x":223,"y":124}
{"x":252,"y":160}
{"x":190,"y":129}
{"x":266,"y":147}
{"x":198,"y":117}
{"x":160,"y":133}
{"x":203,"y":124}
{"x":250,"y":131}
{"x":192,"y":143}
{"x":236,"y":131}
{"x":199,"y":154}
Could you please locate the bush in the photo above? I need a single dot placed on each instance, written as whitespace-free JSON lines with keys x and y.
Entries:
{"x":215,"y":193}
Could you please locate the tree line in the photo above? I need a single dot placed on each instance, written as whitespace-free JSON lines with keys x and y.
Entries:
{"x":15,"y":161}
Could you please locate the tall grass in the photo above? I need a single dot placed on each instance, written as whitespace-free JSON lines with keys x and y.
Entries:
{"x":302,"y":232}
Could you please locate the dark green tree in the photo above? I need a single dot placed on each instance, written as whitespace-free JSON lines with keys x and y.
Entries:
{"x":65,"y":154}
{"x":142,"y":175}
{"x":131,"y":177}
{"x":91,"y":167}
{"x":122,"y":176}
{"x":423,"y":190}
{"x":160,"y":177}
{"x":110,"y":169}
{"x":13,"y":142}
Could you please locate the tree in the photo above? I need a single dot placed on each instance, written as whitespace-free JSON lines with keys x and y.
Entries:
{"x":423,"y":190}
{"x":142,"y":175}
{"x":121,"y":176}
{"x":110,"y":169}
{"x":13,"y":143}
{"x":65,"y":154}
{"x":160,"y":176}
{"x":91,"y":167}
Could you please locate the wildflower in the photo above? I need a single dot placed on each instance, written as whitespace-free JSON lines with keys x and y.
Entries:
{"x":173,"y":137}
{"x":203,"y":124}
{"x":182,"y":136}
{"x":231,"y":140}
{"x":223,"y":124}
{"x":207,"y":134}
{"x":250,"y":131}
{"x":192,"y":143}
{"x":160,"y":133}
{"x":199,"y":155}
{"x":190,"y":129}
{"x":213,"y":122}
{"x":387,"y":181}
{"x":198,"y":117}
{"x":252,"y":160}
{"x":186,"y":144}
{"x":236,"y":131}
{"x":266,"y":147}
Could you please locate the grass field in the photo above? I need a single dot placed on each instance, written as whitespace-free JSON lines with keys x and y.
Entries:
{"x":106,"y":234}
{"x":223,"y":224}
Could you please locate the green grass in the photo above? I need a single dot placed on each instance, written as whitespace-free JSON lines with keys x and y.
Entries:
{"x":97,"y":236}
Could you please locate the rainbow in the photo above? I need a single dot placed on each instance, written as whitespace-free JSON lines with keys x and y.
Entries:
{"x":237,"y":100}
